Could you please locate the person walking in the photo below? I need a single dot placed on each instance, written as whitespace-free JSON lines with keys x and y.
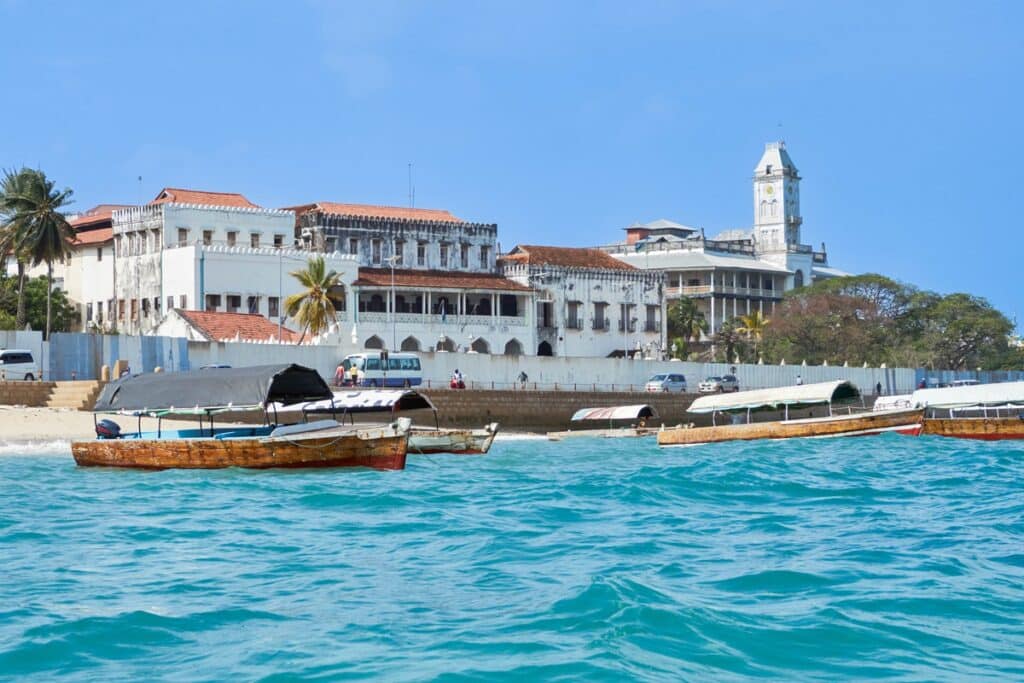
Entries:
{"x":799,"y":380}
{"x":878,"y":389}
{"x":523,"y":379}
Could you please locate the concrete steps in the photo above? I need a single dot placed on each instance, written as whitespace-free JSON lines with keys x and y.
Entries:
{"x":74,"y":395}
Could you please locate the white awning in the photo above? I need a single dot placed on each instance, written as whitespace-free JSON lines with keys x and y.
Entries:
{"x":759,"y":399}
{"x":368,"y":401}
{"x":1000,"y":393}
{"x":615,"y":413}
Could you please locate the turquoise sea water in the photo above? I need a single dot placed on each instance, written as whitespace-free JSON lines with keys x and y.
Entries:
{"x":886,"y":557}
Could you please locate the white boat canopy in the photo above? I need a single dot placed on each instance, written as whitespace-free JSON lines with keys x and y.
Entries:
{"x":615,"y":413}
{"x":1000,"y":393}
{"x":369,"y":401}
{"x":765,"y":399}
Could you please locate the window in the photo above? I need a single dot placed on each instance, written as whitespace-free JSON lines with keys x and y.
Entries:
{"x":254,"y":240}
{"x":88,"y":313}
{"x":331,"y":245}
{"x":207,"y":237}
{"x":183,"y":302}
{"x":278,"y":241}
{"x":399,"y":252}
{"x":135,"y":309}
{"x":170,"y":302}
{"x":421,"y":254}
{"x":600,"y":319}
{"x":253,"y":304}
{"x":156,"y":305}
{"x":145,"y":308}
{"x":99,"y":253}
{"x":376,"y":252}
{"x":651,"y":324}
{"x":234,"y":303}
{"x":212,"y":302}
{"x":272,"y":307}
{"x":232,"y":237}
{"x":182,"y":237}
{"x":99,"y":311}
{"x":485,"y":256}
{"x":464,"y":255}
{"x":444,"y":255}
{"x":573,"y":322}
{"x":353,"y":246}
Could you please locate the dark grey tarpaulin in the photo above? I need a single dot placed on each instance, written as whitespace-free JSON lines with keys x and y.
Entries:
{"x":213,"y":389}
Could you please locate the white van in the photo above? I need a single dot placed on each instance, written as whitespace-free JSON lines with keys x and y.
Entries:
{"x":17,"y":364}
{"x":402,"y":370}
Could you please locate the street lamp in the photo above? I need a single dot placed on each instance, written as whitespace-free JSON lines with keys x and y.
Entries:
{"x":392,"y":260}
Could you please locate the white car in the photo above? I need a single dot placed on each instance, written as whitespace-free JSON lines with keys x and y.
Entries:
{"x":17,"y":364}
{"x":666,"y":382}
{"x":713,"y":385}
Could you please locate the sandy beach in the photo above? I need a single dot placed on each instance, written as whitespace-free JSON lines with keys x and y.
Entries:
{"x":61,"y":424}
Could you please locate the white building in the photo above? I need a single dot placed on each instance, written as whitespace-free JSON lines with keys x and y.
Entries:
{"x":588,"y":303}
{"x":738,"y":271}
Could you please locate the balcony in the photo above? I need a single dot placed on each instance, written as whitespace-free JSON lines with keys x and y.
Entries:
{"x":632,"y":327}
{"x":601,"y":325}
{"x":652,"y":327}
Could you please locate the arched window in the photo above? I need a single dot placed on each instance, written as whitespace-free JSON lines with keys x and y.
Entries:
{"x":798,"y":278}
{"x":513,"y":348}
{"x":774,"y":208}
{"x":374,"y":342}
{"x":337,"y":296}
{"x":445,"y":344}
{"x":377,"y":303}
{"x":480,"y":345}
{"x":410,"y":344}
{"x":764,"y":208}
{"x":544,"y":349}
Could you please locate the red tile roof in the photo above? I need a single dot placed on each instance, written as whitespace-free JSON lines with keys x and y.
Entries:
{"x":374,"y":211}
{"x":180,"y":196}
{"x":88,"y":237}
{"x":436,"y":279}
{"x":565,"y":257}
{"x":221,"y":326}
{"x":96,"y":216}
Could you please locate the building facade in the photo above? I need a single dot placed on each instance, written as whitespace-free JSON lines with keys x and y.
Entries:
{"x":588,"y":303}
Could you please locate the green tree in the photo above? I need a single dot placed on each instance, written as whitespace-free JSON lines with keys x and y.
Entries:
{"x":685,"y":323}
{"x":42,"y":233}
{"x":33,"y":302}
{"x":730,"y":340}
{"x":965,"y":332}
{"x":12,"y":234}
{"x":313,"y":309}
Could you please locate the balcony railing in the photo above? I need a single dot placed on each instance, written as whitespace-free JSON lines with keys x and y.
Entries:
{"x":574,"y":325}
{"x":601,"y":325}
{"x":707,"y":290}
{"x":632,"y":327}
{"x":652,"y":327}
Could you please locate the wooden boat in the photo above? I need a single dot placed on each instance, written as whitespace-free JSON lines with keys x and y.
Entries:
{"x":211,"y":392}
{"x":824,"y":395}
{"x":615,"y":416}
{"x":989,"y":412}
{"x":459,"y":441}
{"x":423,"y":440}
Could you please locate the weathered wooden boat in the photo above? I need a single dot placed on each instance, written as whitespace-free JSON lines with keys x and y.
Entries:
{"x":989,"y":412}
{"x":616,"y":416}
{"x":422,"y":439}
{"x":208,"y":393}
{"x":836,"y":398}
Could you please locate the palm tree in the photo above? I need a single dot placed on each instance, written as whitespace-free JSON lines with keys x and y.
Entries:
{"x":685,"y":320}
{"x":753,"y":326}
{"x":729,"y":337}
{"x":12,"y":236}
{"x":35,"y":229}
{"x":313,"y":308}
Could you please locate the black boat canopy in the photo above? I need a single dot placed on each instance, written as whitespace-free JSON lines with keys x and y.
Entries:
{"x":371,"y":401}
{"x":212,"y":390}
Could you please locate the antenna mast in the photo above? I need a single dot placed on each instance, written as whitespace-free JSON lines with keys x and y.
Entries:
{"x":412,"y":189}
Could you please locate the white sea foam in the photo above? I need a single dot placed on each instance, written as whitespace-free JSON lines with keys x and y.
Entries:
{"x":519,"y":436}
{"x":39,"y":447}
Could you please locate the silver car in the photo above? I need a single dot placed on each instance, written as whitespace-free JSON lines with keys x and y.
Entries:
{"x":716,"y":385}
{"x":666,"y":382}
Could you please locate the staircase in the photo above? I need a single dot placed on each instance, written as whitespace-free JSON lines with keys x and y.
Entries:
{"x":75,"y":395}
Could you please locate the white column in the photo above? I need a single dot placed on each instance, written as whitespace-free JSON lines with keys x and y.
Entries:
{"x":711,"y":329}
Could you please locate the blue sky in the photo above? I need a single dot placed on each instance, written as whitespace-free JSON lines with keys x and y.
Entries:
{"x":560,"y":122}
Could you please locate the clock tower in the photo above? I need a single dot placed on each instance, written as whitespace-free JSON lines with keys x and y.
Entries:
{"x":776,"y":200}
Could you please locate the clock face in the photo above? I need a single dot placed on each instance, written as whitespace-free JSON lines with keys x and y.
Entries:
{"x":770,"y":190}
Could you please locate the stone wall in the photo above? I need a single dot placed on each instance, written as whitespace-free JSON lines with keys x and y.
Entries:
{"x":34,"y":394}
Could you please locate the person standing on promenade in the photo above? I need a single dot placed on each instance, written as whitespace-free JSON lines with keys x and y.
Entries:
{"x":799,"y":380}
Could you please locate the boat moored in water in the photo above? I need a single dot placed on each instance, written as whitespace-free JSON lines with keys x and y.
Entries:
{"x":835,"y":397}
{"x":208,"y":393}
{"x":616,"y":417}
{"x":424,"y":440}
{"x":989,"y":412}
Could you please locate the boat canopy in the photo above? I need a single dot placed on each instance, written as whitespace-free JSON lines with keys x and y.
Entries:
{"x":998,"y":394}
{"x":370,"y":401}
{"x":212,"y":390}
{"x":794,"y":396}
{"x":615,"y":413}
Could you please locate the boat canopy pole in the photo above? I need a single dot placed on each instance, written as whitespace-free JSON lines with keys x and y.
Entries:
{"x":787,"y":412}
{"x":139,"y":430}
{"x":748,"y":415}
{"x":159,"y":421}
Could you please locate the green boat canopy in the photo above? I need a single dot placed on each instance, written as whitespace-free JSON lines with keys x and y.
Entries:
{"x":794,"y":396}
{"x":212,"y":390}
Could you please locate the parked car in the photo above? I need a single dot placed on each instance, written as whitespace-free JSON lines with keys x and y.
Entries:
{"x":716,"y":385}
{"x":666,"y":382}
{"x":17,"y":364}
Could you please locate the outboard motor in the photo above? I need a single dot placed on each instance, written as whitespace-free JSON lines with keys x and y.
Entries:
{"x":108,"y":429}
